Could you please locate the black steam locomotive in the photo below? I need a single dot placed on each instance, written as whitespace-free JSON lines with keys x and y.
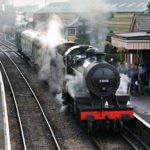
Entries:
{"x":90,"y":84}
{"x":91,"y":93}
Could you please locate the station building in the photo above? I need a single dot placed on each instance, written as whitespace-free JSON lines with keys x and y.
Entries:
{"x":127,"y":17}
{"x":121,"y":22}
{"x":123,"y":16}
{"x":65,"y":13}
{"x":135,"y":44}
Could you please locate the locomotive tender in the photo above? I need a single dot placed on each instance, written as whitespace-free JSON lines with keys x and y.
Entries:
{"x":96,"y":102}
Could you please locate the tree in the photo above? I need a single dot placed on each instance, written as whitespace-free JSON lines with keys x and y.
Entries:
{"x":82,"y":35}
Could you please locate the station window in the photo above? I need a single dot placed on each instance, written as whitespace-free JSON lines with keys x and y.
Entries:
{"x":65,"y":31}
{"x":71,"y":32}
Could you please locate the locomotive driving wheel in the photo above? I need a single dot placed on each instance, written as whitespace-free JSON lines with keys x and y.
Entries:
{"x":121,"y":125}
{"x":89,"y":127}
{"x":118,"y":125}
{"x":90,"y":123}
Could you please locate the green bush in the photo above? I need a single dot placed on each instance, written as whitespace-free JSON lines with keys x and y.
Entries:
{"x":117,"y":57}
{"x":82,"y":41}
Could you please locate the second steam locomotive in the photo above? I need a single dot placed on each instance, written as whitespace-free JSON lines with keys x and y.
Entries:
{"x":91,"y":92}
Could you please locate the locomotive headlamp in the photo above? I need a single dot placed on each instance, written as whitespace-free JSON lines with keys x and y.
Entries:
{"x":103,"y":88}
{"x":128,"y":104}
{"x":106,"y":104}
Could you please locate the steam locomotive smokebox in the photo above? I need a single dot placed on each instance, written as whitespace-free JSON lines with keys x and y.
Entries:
{"x":122,"y":100}
{"x":102,"y":79}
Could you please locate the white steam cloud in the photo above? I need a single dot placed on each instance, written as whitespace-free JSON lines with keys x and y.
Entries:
{"x":20,"y":19}
{"x":76,"y":85}
{"x":51,"y":65}
{"x":97,"y":13}
{"x":125,"y":81}
{"x":124,"y":85}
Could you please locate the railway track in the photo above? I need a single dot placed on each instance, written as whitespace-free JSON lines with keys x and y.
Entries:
{"x":66,"y":130}
{"x":10,"y":40}
{"x":36,"y":131}
{"x":6,"y":43}
{"x":118,"y":141}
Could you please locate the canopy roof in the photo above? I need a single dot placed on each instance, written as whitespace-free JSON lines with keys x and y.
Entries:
{"x":132,"y":41}
{"x":133,"y":36}
{"x":130,"y":5}
{"x":116,"y":6}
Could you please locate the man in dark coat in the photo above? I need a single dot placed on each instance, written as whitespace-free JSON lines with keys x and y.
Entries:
{"x":132,"y":73}
{"x":146,"y":70}
{"x":141,"y":78}
{"x":112,"y":62}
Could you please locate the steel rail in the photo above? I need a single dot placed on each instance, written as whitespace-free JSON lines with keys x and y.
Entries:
{"x":137,"y":138}
{"x":10,"y":49}
{"x":49,"y":126}
{"x":129,"y":141}
{"x":8,"y":42}
{"x":97,"y":144}
{"x":7,"y":46}
{"x":16,"y":106}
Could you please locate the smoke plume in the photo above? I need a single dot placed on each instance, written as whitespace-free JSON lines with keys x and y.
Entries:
{"x":97,"y":13}
{"x":124,"y":79}
{"x":51,"y":65}
{"x":76,"y":85}
{"x":124,"y":83}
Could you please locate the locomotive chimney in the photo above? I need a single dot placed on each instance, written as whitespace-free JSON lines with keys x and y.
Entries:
{"x":96,"y":53}
{"x":99,"y":55}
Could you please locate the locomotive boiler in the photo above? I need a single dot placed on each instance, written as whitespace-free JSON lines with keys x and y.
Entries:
{"x":95,"y":101}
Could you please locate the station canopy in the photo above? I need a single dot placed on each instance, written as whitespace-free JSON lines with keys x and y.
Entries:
{"x":132,"y":40}
{"x":130,"y":5}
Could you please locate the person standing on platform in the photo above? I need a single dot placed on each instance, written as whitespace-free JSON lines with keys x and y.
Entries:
{"x":141,"y":78}
{"x":132,"y":73}
{"x":112,"y":62}
{"x":145,"y":67}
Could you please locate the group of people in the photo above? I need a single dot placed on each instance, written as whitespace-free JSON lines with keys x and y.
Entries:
{"x":139,"y":76}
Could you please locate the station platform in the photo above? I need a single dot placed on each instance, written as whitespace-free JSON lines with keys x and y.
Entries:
{"x":4,"y":125}
{"x":141,"y":105}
